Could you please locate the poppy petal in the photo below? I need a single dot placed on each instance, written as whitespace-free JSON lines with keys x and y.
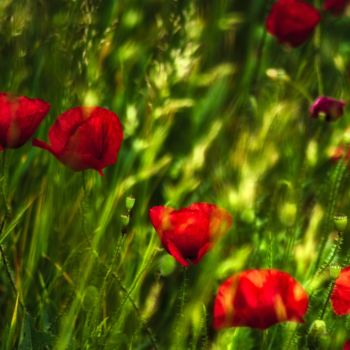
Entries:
{"x":176,"y":254}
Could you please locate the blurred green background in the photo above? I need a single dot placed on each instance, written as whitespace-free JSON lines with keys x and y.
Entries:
{"x":213,"y":110}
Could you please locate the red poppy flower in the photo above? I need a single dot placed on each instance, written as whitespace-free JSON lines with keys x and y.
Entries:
{"x":332,"y":108}
{"x":336,"y":7}
{"x":259,"y":299}
{"x":85,"y":138}
{"x":188,"y":233}
{"x":292,"y":21}
{"x":347,"y":345}
{"x":19,"y":119}
{"x":340,"y":297}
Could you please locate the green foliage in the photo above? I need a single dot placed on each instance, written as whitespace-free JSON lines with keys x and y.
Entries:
{"x":212,"y":110}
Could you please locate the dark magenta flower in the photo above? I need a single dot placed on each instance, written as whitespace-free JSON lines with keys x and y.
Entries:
{"x":259,"y":299}
{"x":330,"y":107}
{"x":336,"y":7}
{"x":19,"y":119}
{"x":340,"y":297}
{"x":188,"y":233}
{"x":292,"y":21}
{"x":85,"y":138}
{"x":347,"y":345}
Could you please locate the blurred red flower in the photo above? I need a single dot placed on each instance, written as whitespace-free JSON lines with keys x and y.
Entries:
{"x":340,"y":297}
{"x":332,"y":108}
{"x":292,"y":21}
{"x":336,"y":7}
{"x":347,"y":345}
{"x":259,"y":299}
{"x":19,"y":119}
{"x":340,"y":153}
{"x":85,"y":138}
{"x":188,"y":233}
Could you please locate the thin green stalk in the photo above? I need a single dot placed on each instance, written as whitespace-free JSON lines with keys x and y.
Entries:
{"x":325,"y":304}
{"x":182,"y":301}
{"x":132,"y":302}
{"x":8,"y":269}
{"x":317,"y":45}
{"x":335,"y":186}
{"x":260,"y":51}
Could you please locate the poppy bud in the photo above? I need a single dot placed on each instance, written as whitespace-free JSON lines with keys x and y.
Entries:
{"x":328,"y":107}
{"x":129,"y":202}
{"x":19,"y":119}
{"x":334,"y":271}
{"x":124,"y":220}
{"x":85,"y":138}
{"x":318,"y":338}
{"x":287,"y":213}
{"x":340,"y":222}
{"x":166,"y":265}
{"x":346,"y":138}
{"x":188,"y":233}
{"x":292,"y":21}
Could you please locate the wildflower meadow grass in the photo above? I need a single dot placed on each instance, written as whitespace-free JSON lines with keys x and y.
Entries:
{"x":220,"y":219}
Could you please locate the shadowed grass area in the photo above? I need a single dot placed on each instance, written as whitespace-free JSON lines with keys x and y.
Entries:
{"x":213,"y":110}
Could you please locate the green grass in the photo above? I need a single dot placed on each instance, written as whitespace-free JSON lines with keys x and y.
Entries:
{"x":212,"y":110}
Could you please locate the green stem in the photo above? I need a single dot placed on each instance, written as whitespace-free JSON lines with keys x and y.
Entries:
{"x":178,"y":344}
{"x":83,"y":208}
{"x":334,"y":253}
{"x":132,"y":302}
{"x":338,"y":175}
{"x":260,"y":51}
{"x":317,"y":45}
{"x":8,"y":269}
{"x":329,"y":292}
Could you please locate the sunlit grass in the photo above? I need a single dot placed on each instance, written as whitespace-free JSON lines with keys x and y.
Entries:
{"x":201,"y":123}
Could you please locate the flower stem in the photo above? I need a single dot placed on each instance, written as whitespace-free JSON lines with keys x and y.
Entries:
{"x":329,"y":292}
{"x":178,"y":344}
{"x":317,"y":45}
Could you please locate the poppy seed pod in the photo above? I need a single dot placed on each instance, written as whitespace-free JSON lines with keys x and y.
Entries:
{"x":292,"y":21}
{"x":340,"y":222}
{"x":259,"y":299}
{"x":19,"y":119}
{"x":318,"y":338}
{"x":188,"y":233}
{"x":85,"y":138}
